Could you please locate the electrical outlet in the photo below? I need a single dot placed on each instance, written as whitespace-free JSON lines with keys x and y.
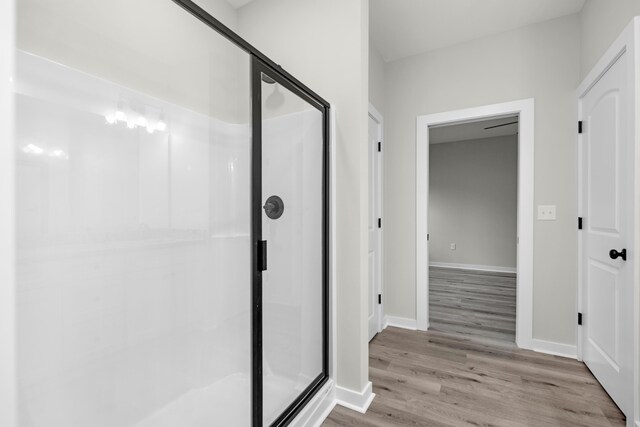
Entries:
{"x":453,"y":246}
{"x":546,"y":212}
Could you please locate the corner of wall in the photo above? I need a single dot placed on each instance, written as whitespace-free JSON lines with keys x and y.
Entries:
{"x":357,"y":401}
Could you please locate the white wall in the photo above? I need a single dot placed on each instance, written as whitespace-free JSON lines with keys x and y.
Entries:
{"x":325,"y":45}
{"x":540,"y":61}
{"x":221,"y":10}
{"x":138,"y":52}
{"x":376,"y":79}
{"x":601,"y":22}
{"x":7,"y":256}
{"x":473,"y":201}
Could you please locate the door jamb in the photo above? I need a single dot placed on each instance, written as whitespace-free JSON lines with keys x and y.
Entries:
{"x":524,"y":303}
{"x":628,"y":42}
{"x":377,"y":117}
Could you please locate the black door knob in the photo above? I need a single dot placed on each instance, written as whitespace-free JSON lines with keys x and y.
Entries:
{"x":273,"y":207}
{"x":613,"y":254}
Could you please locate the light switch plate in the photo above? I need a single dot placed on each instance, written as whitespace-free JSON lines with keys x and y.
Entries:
{"x":546,"y":212}
{"x":453,"y":246}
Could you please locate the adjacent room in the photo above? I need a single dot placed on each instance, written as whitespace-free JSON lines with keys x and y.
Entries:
{"x":472,"y":227}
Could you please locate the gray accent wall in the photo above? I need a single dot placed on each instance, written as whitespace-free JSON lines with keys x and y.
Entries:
{"x":473,"y":190}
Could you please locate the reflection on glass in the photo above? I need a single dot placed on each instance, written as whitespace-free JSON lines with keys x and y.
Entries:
{"x":133,"y":178}
{"x":292,"y":285}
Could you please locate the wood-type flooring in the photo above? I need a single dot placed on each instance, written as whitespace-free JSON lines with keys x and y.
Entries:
{"x":470,"y":372}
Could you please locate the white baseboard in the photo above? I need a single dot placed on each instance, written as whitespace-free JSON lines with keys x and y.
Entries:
{"x":554,"y":348}
{"x":399,"y":322}
{"x":353,"y":400}
{"x":491,"y":268}
{"x":318,"y":409}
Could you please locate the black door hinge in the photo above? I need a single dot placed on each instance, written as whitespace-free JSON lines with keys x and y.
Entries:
{"x":427,"y":236}
{"x":262,"y":255}
{"x":580,"y":126}
{"x":379,"y":222}
{"x":379,"y":146}
{"x":379,"y":298}
{"x":579,"y":318}
{"x":579,"y":223}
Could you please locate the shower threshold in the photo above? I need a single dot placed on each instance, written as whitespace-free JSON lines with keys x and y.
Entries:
{"x":218,"y":404}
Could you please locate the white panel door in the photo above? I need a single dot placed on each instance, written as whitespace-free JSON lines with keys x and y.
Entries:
{"x":374,"y":229}
{"x":606,"y":203}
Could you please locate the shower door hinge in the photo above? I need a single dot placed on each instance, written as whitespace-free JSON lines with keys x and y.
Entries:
{"x":379,"y":146}
{"x":579,"y":318}
{"x":579,"y":223}
{"x":379,"y":222}
{"x":262,"y":255}
{"x":580,"y":126}
{"x":379,"y":298}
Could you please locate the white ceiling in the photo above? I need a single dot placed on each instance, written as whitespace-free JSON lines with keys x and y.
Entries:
{"x":237,"y":4}
{"x":473,"y":130}
{"x":401,"y":28}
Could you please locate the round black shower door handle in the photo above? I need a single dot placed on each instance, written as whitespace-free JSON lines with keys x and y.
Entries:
{"x":274,"y":207}
{"x":613,"y":254}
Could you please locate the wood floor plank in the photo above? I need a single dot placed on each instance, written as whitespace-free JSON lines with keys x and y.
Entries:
{"x":440,"y":379}
{"x":467,"y":369}
{"x":473,"y":303}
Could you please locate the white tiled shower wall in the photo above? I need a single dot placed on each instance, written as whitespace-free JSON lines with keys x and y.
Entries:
{"x":133,"y":251}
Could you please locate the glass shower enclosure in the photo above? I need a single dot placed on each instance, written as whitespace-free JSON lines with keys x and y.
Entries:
{"x":172,"y":221}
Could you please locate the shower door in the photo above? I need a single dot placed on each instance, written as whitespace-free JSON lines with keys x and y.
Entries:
{"x":133,"y":162}
{"x":289,"y":227}
{"x":148,"y":147}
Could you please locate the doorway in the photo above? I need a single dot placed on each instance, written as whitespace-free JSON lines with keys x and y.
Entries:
{"x":473,"y":228}
{"x":524,"y":110}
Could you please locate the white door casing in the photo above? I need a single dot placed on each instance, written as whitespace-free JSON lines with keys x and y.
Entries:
{"x":374,"y":227}
{"x":606,"y":153}
{"x":524,"y":299}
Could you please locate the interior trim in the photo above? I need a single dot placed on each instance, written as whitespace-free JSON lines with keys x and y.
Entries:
{"x":524,"y":299}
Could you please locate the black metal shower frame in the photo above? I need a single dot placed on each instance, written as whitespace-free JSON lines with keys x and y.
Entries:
{"x":261,"y":64}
